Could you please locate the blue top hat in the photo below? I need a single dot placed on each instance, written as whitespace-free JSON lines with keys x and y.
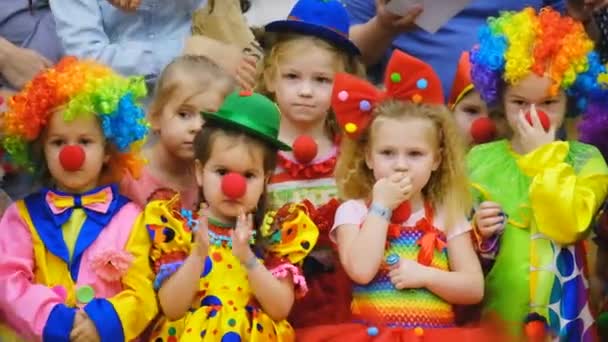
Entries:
{"x":326,"y":19}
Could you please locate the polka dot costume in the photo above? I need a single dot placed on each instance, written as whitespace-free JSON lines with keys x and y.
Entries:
{"x":535,"y":272}
{"x":225,"y":309}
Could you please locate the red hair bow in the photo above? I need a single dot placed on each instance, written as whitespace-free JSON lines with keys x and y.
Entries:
{"x":407,"y":78}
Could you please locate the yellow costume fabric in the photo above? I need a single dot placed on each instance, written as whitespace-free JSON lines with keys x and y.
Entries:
{"x":225,"y":308}
{"x":551,"y":196}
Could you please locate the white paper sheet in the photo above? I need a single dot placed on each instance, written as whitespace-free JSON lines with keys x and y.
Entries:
{"x":435,"y":12}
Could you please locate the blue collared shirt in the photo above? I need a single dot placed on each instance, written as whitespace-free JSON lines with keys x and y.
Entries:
{"x":132,"y":43}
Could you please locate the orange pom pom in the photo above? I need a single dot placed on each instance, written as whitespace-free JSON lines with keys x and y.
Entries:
{"x":536,"y":330}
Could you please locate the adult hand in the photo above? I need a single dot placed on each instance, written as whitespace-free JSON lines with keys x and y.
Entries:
{"x":19,"y":65}
{"x":393,"y":22}
{"x":125,"y":5}
{"x":236,"y":62}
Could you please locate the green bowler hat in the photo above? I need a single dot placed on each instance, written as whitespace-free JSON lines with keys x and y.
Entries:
{"x":253,"y":113}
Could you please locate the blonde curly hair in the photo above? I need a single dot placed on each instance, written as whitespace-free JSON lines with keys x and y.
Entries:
{"x":448,"y":185}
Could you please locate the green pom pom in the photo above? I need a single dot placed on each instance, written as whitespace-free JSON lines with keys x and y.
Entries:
{"x":602,"y":321}
{"x":395,"y":77}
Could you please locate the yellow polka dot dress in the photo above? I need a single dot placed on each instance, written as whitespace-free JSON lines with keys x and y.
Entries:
{"x":225,"y":309}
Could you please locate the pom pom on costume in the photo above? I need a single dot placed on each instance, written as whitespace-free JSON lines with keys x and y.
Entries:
{"x":407,"y":79}
{"x":305,"y":149}
{"x":79,"y":87}
{"x":225,"y":302}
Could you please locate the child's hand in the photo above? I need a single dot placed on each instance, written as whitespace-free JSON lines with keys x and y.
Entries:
{"x":408,"y":274}
{"x":201,"y":235}
{"x":85,"y":330}
{"x":489,"y":219}
{"x":241,"y":235}
{"x":535,"y":136}
{"x":392,"y":191}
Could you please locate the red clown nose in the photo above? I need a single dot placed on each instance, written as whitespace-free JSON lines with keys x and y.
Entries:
{"x":402,"y":212}
{"x":544,"y":119}
{"x":304,"y":149}
{"x":234,"y":185}
{"x":71,"y":158}
{"x":483,"y":130}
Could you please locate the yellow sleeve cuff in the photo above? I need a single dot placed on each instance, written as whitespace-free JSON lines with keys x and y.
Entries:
{"x":544,"y":157}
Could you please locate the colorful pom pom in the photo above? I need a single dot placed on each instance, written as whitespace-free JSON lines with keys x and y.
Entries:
{"x":350,"y":127}
{"x":304,"y":149}
{"x":372,"y":331}
{"x":395,"y":77}
{"x":343,"y":95}
{"x":422,"y":83}
{"x":365,"y":106}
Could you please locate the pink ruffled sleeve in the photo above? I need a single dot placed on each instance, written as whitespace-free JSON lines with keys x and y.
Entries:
{"x":26,"y":305}
{"x":349,"y":212}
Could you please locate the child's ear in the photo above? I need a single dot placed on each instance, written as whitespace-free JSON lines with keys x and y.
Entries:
{"x":107,"y":153}
{"x":198,"y":172}
{"x":153,"y":117}
{"x":267,"y":179}
{"x":437,"y":161}
{"x":269,"y":79}
{"x":368,"y":158}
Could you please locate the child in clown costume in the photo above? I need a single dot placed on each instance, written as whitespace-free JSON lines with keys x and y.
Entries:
{"x":402,"y":233}
{"x":308,"y":48}
{"x":232,"y":274}
{"x":536,"y":196}
{"x":470,"y":111}
{"x":74,"y":256}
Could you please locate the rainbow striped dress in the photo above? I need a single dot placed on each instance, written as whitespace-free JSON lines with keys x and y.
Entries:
{"x":379,"y":302}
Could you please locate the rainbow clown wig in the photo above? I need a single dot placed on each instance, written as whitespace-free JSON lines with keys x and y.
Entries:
{"x":545,"y":43}
{"x":79,"y":87}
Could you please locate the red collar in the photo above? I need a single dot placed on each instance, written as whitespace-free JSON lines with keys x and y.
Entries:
{"x":297,"y":171}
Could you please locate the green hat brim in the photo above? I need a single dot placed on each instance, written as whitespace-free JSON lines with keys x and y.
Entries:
{"x":213,"y":117}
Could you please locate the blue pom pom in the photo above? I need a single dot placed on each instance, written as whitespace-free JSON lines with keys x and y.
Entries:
{"x":372,"y":331}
